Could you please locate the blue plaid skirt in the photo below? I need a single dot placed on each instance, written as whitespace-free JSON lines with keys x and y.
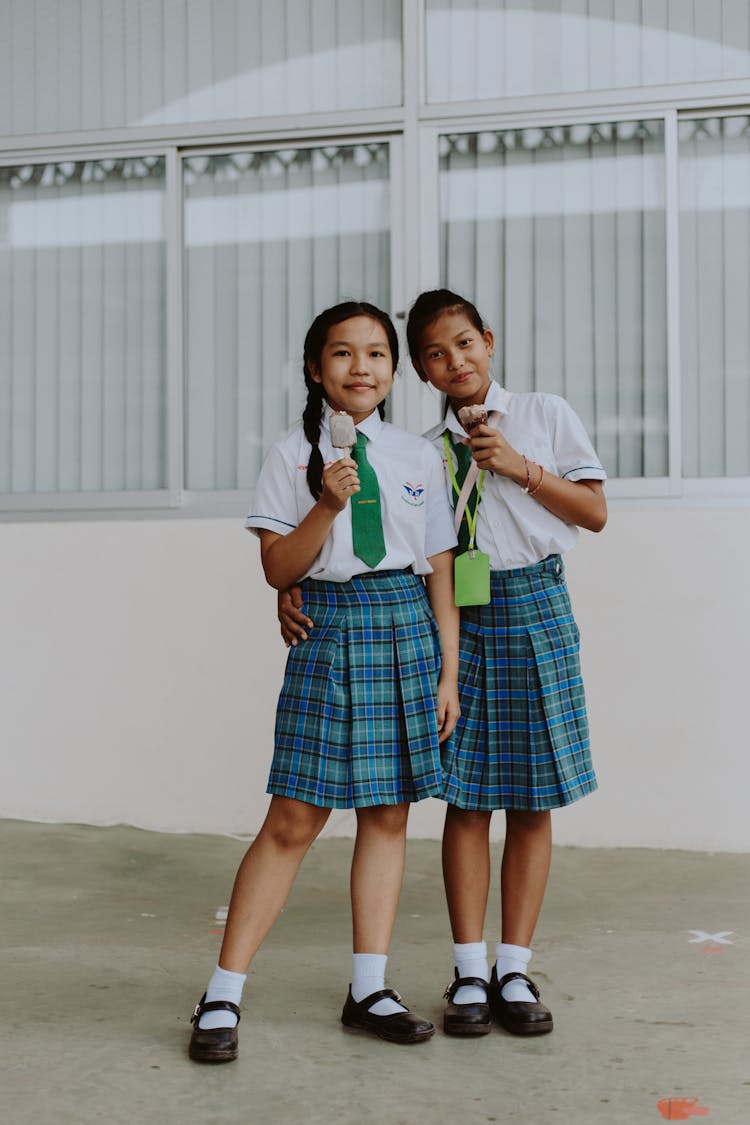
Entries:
{"x":522,"y":741}
{"x":356,"y":723}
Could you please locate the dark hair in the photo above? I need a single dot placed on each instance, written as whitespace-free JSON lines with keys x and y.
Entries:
{"x":428,"y":307}
{"x":315,"y":340}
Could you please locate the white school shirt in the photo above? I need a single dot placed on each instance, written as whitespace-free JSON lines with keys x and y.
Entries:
{"x":416,"y":511}
{"x":514,"y":529}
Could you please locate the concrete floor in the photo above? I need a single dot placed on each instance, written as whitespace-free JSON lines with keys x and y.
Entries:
{"x":109,"y":935}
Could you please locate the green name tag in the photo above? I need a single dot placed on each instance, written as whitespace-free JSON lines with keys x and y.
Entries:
{"x":471,"y":574}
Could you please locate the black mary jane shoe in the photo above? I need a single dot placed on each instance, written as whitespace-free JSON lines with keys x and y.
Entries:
{"x":466,"y":1019}
{"x":213,"y":1044}
{"x":520,"y":1017}
{"x":401,"y":1027}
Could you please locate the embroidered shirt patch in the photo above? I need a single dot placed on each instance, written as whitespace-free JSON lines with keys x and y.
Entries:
{"x":413,"y":494}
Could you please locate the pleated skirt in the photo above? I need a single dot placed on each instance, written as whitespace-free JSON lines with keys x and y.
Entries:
{"x":356,"y":723}
{"x":522,"y":741}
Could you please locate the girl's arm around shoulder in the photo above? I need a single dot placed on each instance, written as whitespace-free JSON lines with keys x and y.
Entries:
{"x":440,"y":594}
{"x":286,"y":558}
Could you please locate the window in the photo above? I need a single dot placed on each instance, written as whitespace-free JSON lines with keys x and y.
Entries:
{"x":715,"y":291}
{"x":559,"y":234}
{"x":82,"y":327}
{"x":509,"y":48}
{"x":184,"y":184}
{"x":107,"y":64}
{"x":271,"y":238}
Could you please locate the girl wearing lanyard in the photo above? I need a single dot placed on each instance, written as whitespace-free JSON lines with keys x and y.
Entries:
{"x":522,"y":738}
{"x":368,"y":701}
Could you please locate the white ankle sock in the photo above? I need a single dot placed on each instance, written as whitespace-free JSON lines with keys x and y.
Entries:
{"x":222,"y":986}
{"x":513,"y":959}
{"x":471,"y":961}
{"x":368,"y":976}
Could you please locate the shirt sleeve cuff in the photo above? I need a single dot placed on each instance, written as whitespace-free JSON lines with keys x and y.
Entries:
{"x":585,"y":472}
{"x":437,"y":547}
{"x":268,"y":523}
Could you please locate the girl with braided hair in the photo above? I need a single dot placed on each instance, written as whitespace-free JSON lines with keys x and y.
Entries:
{"x":368,"y":704}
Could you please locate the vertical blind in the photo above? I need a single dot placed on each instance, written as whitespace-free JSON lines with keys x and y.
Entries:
{"x":99,"y":64}
{"x":271,"y":238}
{"x":715,"y":295}
{"x":82,"y":335}
{"x":507,"y":48}
{"x":559,"y":235}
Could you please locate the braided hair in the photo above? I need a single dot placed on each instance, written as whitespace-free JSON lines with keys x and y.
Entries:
{"x":315,"y":340}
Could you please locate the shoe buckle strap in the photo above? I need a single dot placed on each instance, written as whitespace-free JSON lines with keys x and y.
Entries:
{"x":381,"y":994}
{"x":519,"y":976}
{"x":463,"y":982}
{"x":214,"y":1006}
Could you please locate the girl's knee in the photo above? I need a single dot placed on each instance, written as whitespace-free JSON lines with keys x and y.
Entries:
{"x":468,"y":820}
{"x":293,"y":824}
{"x":388,"y":819}
{"x":523,"y":820}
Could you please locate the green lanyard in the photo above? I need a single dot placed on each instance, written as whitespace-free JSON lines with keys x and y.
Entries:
{"x":471,"y":517}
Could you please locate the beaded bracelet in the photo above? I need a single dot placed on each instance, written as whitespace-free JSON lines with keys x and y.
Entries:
{"x":528,"y":474}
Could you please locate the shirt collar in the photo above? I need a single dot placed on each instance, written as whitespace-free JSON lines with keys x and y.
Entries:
{"x":370,"y":426}
{"x":495,"y":399}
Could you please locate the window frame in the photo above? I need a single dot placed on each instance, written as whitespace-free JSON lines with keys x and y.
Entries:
{"x":691,"y":96}
{"x":210,"y":502}
{"x":675,"y":485}
{"x":412,"y":131}
{"x":12,"y":503}
{"x":175,"y":496}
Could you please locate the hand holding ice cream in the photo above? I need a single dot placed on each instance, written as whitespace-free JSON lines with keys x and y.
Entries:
{"x":472,"y":416}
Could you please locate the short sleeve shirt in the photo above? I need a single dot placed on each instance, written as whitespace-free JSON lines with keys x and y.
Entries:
{"x":513,"y":528}
{"x":416,"y":511}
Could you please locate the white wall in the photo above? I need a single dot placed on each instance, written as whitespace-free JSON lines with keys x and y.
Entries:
{"x":140,"y":664}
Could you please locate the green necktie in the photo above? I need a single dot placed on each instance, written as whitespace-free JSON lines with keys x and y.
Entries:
{"x":463,"y":457}
{"x":367,"y":521}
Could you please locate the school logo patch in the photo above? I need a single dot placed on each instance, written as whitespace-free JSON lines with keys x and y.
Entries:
{"x":413,"y":494}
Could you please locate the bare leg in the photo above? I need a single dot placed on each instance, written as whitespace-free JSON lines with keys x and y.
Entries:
{"x":377,"y":875}
{"x":265,"y":877}
{"x":466,"y":871}
{"x":376,"y":878}
{"x":523,"y":878}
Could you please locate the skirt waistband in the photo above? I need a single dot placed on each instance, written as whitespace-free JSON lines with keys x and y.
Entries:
{"x":376,"y":585}
{"x":553,"y":564}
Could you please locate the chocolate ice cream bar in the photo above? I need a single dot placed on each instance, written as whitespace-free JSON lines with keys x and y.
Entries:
{"x":343,"y":433}
{"x":472,"y":416}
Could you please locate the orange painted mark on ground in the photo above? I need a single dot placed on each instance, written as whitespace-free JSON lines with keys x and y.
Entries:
{"x":219,"y":931}
{"x":680,"y":1109}
{"x":713,"y":948}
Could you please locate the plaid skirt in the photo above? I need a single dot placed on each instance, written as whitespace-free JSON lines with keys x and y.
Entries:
{"x":356,"y":723}
{"x":522,"y":741}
